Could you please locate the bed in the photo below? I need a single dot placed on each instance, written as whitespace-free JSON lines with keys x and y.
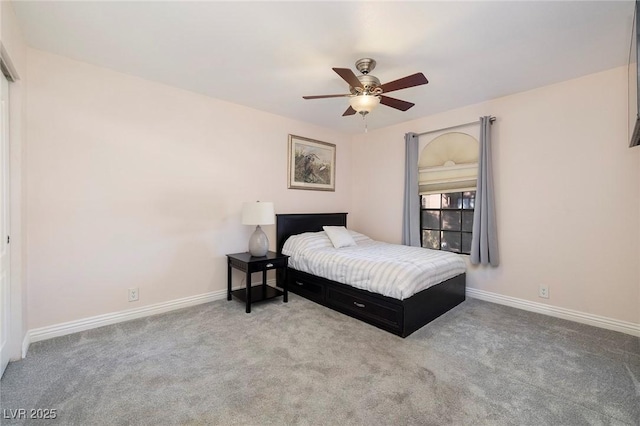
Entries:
{"x":400,"y":317}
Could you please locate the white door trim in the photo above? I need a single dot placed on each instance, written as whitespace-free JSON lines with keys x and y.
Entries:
{"x":5,"y":253}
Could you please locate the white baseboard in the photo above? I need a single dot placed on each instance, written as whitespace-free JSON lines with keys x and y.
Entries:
{"x":56,"y":330}
{"x":62,"y":329}
{"x":25,"y":344}
{"x":554,"y":311}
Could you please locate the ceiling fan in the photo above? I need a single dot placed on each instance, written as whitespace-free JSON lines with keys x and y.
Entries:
{"x":367,"y":92}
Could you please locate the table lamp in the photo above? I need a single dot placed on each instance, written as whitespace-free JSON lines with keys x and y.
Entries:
{"x":258,"y":213}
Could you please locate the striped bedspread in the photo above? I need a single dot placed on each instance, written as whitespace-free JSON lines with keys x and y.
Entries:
{"x":389,"y":269}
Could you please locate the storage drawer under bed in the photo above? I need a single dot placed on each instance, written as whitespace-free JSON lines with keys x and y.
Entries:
{"x":306,"y":286}
{"x":375,"y":309}
{"x":386,"y":315}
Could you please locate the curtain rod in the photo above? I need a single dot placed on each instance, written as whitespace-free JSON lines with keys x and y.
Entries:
{"x":492,"y":119}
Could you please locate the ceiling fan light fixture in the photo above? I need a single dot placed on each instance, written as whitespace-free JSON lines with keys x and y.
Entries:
{"x":364,"y":104}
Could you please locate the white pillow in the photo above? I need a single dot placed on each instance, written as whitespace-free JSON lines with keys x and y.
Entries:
{"x":339,"y":236}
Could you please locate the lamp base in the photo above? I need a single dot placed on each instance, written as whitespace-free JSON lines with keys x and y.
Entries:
{"x":258,"y":243}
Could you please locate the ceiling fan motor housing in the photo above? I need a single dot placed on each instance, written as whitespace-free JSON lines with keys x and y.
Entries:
{"x":370,"y":84}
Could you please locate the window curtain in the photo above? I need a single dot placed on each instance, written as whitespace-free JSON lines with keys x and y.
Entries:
{"x":484,"y":242}
{"x":411,"y":214}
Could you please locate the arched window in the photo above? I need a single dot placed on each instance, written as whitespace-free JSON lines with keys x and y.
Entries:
{"x":448,"y":169}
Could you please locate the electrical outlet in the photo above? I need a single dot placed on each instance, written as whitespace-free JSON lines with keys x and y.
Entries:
{"x":133,"y":294}
{"x":543,"y":291}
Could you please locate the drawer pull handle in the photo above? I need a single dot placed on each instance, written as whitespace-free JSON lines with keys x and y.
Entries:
{"x":269,"y":265}
{"x":299,"y":283}
{"x":359,"y":305}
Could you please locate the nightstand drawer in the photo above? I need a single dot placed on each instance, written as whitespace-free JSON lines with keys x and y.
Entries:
{"x":264,"y":265}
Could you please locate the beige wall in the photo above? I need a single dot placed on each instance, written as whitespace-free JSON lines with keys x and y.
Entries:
{"x":137,"y":184}
{"x":14,"y":51}
{"x":568,"y":193}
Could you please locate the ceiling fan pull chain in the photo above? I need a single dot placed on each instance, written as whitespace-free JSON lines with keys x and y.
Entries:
{"x":364,"y":118}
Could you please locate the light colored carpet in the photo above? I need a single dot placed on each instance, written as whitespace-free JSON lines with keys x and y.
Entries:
{"x":300,"y":363}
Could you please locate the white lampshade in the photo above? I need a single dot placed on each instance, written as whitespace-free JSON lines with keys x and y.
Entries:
{"x":364,"y":103}
{"x":258,"y":213}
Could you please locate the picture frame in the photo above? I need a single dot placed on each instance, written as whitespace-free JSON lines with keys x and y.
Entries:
{"x":311,"y":164}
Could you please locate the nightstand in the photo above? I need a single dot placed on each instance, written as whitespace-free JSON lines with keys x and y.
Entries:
{"x":249,"y":264}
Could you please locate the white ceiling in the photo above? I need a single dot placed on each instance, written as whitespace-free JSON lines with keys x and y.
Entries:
{"x":267,"y":55}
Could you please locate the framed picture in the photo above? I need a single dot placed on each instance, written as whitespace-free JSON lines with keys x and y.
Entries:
{"x":312,"y":164}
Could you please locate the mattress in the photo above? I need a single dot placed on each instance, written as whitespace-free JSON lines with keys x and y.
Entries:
{"x":392,"y":270}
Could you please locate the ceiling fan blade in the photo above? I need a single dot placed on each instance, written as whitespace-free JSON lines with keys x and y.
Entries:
{"x":405,"y":82}
{"x":325,"y":96}
{"x":349,"y":111}
{"x":348,"y":76}
{"x":395,"y":103}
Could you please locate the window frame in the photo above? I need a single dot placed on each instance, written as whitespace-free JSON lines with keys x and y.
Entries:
{"x":441,"y":215}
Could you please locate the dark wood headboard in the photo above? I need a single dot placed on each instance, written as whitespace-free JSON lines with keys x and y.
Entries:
{"x":292,"y":224}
